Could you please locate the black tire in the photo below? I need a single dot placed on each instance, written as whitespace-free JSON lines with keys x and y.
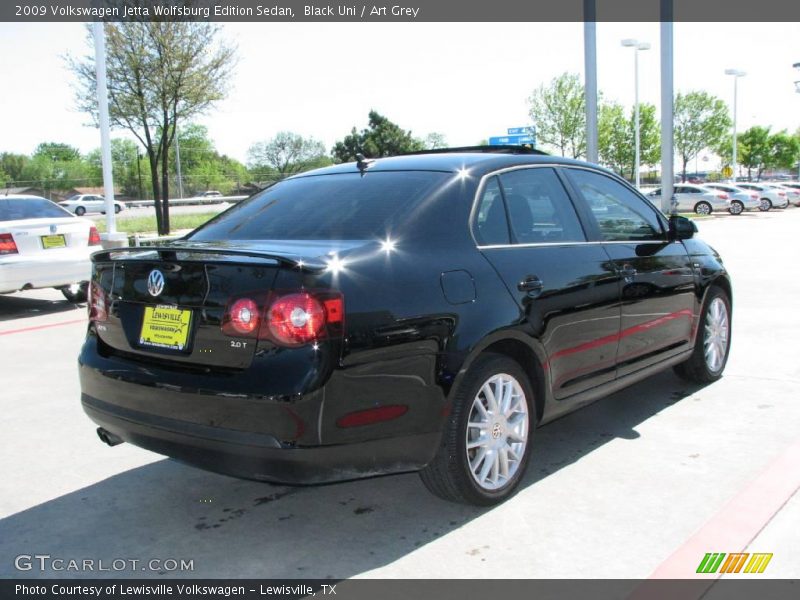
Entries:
{"x":736,"y":208}
{"x":117,"y":209}
{"x":703,"y":208}
{"x":696,"y":369}
{"x":80,"y":211}
{"x":766,"y":204}
{"x":449,"y":475}
{"x":76,"y":295}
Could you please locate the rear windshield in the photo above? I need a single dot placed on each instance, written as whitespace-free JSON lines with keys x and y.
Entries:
{"x":16,"y":209}
{"x":343,"y":206}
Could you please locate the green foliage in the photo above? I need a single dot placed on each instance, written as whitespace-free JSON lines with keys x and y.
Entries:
{"x":758,"y":150}
{"x":159,"y":74}
{"x":57,"y":152}
{"x":701,"y":121}
{"x":558,"y":110}
{"x":435,"y":140}
{"x":616,"y":137}
{"x":380,"y":138}
{"x":286,"y":153}
{"x":13,"y":164}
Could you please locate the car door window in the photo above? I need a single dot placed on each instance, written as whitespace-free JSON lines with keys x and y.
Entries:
{"x":491,"y":224}
{"x":539,"y":209}
{"x":620,"y":214}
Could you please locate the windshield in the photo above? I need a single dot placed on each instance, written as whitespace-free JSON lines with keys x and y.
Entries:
{"x":16,"y":209}
{"x":345,"y":206}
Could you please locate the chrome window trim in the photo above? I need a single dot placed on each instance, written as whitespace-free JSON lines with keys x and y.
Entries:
{"x":586,"y":243}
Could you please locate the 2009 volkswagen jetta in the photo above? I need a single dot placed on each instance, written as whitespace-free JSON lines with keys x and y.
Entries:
{"x":422,"y":312}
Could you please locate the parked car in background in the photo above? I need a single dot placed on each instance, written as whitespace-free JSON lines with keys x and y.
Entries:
{"x":770,"y":197}
{"x":81,"y":204}
{"x":695,"y":198}
{"x":794,"y":185}
{"x":741,"y":199}
{"x":42,"y":245}
{"x":414,"y":313}
{"x":211,"y":194}
{"x":792,"y":194}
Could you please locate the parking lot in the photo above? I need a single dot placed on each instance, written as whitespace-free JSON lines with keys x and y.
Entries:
{"x":641,"y":483}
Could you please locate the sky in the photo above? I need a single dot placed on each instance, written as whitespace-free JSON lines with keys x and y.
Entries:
{"x":467,"y":81}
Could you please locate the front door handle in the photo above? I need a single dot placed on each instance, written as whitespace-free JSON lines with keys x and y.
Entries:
{"x":532,"y":285}
{"x":627,"y":271}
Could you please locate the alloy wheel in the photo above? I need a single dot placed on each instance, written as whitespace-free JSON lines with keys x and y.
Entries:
{"x":497,"y":431}
{"x":717,"y":328}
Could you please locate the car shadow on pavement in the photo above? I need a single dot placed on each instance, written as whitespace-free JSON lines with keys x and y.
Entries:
{"x":18,"y":307}
{"x":235,"y":528}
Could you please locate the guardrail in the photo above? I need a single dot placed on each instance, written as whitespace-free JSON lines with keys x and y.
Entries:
{"x":186,"y":201}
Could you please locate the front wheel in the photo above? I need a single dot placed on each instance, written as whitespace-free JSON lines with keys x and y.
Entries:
{"x":765,"y":205}
{"x":117,"y":209}
{"x":736,"y":208}
{"x":702,"y":208}
{"x":713,"y":342}
{"x":486,"y":440}
{"x":80,"y":211}
{"x":77,"y":292}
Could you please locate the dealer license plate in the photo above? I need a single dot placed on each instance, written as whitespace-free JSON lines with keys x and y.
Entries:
{"x":165,"y":327}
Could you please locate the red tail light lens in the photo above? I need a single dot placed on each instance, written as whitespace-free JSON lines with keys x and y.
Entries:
{"x":94,"y":236}
{"x":296,"y":319}
{"x":98,"y":303}
{"x":7,"y":244}
{"x":724,"y":196}
{"x":241,"y":319}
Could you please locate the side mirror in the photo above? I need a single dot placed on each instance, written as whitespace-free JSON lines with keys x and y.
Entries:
{"x":681,"y":228}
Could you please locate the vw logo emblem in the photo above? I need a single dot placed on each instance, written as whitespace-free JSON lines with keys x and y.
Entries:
{"x":53,"y":228}
{"x":155,"y":282}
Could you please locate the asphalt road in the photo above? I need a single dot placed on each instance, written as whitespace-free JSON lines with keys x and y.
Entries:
{"x":640,"y":483}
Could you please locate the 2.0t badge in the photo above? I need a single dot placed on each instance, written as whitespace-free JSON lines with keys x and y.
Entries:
{"x":155,"y":282}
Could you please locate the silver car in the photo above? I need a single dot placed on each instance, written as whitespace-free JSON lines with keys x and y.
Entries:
{"x":792,"y":192}
{"x":793,"y":185}
{"x":741,"y":200}
{"x":770,"y":197}
{"x":695,"y":198}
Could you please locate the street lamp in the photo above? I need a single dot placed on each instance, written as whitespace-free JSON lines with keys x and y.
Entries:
{"x":636,"y":45}
{"x":797,"y":89}
{"x":736,"y":73}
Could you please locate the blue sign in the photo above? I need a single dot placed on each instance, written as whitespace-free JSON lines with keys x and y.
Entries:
{"x":505,"y":140}
{"x":521,"y":130}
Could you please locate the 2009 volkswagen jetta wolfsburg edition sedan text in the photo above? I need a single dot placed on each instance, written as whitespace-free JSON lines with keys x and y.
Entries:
{"x":421,"y":312}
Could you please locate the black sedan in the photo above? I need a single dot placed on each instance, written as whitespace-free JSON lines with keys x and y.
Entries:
{"x":415,"y":313}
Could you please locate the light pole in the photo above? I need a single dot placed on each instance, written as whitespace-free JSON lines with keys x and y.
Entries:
{"x":736,"y":73}
{"x":636,"y":45}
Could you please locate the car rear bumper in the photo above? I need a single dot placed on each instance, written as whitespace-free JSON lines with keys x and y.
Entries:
{"x":261,"y":456}
{"x":47,"y":270}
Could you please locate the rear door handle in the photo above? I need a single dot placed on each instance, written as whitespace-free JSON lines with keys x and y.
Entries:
{"x":532,"y":285}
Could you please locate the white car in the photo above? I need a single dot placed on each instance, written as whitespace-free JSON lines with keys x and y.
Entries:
{"x":80,"y":204}
{"x":42,"y":245}
{"x":770,"y":197}
{"x":695,"y":198}
{"x":741,"y":200}
{"x":211,"y":194}
{"x":792,"y":192}
{"x":793,"y":185}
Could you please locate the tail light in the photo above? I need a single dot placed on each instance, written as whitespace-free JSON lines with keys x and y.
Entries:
{"x":754,"y":196}
{"x":94,"y":236}
{"x":723,"y":196}
{"x":781,"y":193}
{"x":7,"y":244}
{"x":291,"y":320}
{"x":98,"y":303}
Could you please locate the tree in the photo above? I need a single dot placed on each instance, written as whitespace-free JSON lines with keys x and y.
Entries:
{"x":435,"y":140}
{"x":759,"y":150}
{"x":559,"y":112}
{"x":380,"y":138}
{"x":701,"y":121}
{"x":57,"y":151}
{"x":286,"y":153}
{"x":616,"y":137}
{"x":13,"y":164}
{"x":124,"y":158}
{"x":159,"y":73}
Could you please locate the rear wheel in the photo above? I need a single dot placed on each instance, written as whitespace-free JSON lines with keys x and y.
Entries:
{"x":702,"y":208}
{"x":117,"y":209}
{"x":713,"y":342}
{"x":765,"y":205}
{"x":80,"y":211}
{"x":486,"y":440}
{"x":77,"y":292}
{"x":736,"y":207}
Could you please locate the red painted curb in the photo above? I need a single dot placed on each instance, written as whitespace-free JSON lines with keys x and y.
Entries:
{"x":34,"y":328}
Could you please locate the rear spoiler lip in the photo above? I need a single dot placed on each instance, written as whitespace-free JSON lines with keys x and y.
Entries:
{"x":169,"y":253}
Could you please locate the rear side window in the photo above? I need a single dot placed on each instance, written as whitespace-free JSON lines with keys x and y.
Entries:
{"x":17,"y":209}
{"x":539,"y":208}
{"x":330,"y":207}
{"x":620,"y":214}
{"x":491,"y":225}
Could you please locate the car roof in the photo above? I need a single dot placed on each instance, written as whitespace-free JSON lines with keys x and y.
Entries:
{"x":450,"y":162}
{"x":21,"y":197}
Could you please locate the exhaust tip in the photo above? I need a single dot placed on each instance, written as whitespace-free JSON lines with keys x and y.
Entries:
{"x":108,"y":438}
